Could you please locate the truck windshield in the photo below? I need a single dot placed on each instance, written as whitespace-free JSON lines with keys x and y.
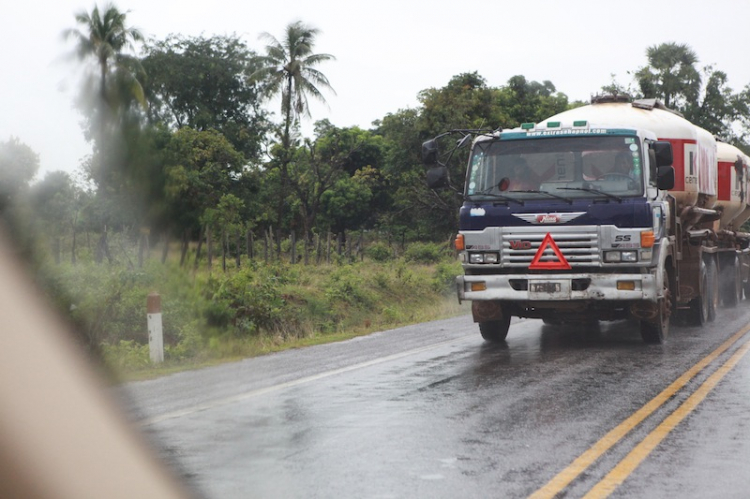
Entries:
{"x":608,"y":167}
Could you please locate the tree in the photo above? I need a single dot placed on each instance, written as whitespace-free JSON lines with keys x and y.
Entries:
{"x":718,"y":107}
{"x":670,"y":75}
{"x":289,"y":70}
{"x":530,"y":101}
{"x":201,"y":83}
{"x":333,"y":159}
{"x":348,"y":204}
{"x":703,"y":97}
{"x":465,"y":102}
{"x":104,"y":38}
{"x":201,"y":168}
{"x":57,"y":202}
{"x":227,"y":217}
{"x":111,"y":104}
{"x":18,"y":165}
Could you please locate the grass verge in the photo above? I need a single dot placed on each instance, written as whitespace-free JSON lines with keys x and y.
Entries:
{"x":216,"y":316}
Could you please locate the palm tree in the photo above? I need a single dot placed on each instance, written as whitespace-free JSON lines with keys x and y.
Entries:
{"x":288,"y":69}
{"x":104,"y":37}
{"x":670,"y":74}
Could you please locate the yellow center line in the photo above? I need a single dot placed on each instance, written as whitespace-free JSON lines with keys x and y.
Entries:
{"x":580,"y":464}
{"x":620,"y":472}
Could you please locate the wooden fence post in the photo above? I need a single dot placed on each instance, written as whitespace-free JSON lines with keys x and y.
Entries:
{"x":265,"y":246}
{"x":249,"y":243}
{"x":306,"y":248}
{"x":293,"y":240}
{"x":237,"y":248}
{"x":361,"y":246}
{"x":278,"y":244}
{"x":328,"y":248}
{"x":319,"y":252}
{"x":209,"y":248}
{"x":198,"y":250}
{"x":165,"y":250}
{"x":224,"y":250}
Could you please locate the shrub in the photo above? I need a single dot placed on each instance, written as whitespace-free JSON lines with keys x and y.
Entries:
{"x":425,"y":253}
{"x":127,"y":355}
{"x":379,"y":252}
{"x":248,"y":300}
{"x":346,"y":284}
{"x":445,"y":276}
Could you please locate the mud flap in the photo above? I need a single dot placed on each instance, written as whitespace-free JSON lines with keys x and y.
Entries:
{"x":486,"y":310}
{"x":644,"y":310}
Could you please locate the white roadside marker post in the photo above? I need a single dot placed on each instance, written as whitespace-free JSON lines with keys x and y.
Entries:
{"x":155,"y":335}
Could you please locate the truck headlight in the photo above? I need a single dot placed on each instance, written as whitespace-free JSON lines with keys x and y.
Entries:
{"x":484,"y":257}
{"x":612,"y":256}
{"x":490,"y":258}
{"x":629,"y":256}
{"x":476,"y":258}
{"x":620,"y":256}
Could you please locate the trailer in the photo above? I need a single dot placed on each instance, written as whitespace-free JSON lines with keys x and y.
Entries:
{"x":609,"y":211}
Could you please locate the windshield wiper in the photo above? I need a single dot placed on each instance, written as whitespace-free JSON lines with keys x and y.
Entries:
{"x":533,"y":191}
{"x":593,"y":191}
{"x":488,"y":192}
{"x":494,"y":196}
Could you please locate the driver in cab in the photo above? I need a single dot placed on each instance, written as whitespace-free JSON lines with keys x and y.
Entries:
{"x":623,"y":165}
{"x":520,"y":176}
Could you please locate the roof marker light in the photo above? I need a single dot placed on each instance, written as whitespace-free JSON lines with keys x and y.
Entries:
{"x":553,"y":124}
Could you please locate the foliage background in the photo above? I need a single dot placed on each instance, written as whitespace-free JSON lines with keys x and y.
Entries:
{"x":195,"y":190}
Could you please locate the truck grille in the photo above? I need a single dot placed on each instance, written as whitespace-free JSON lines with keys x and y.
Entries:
{"x":579,"y":245}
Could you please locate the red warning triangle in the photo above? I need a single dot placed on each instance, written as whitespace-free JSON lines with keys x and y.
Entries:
{"x":561,"y":264}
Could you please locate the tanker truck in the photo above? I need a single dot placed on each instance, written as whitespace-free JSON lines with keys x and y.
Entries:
{"x":615,"y":210}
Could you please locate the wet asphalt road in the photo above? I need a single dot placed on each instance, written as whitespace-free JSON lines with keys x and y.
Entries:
{"x":433,"y":411}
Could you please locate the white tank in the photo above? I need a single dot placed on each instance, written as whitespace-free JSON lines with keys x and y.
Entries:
{"x":732,"y":186}
{"x":694,"y":149}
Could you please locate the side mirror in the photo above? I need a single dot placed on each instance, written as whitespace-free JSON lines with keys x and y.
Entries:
{"x":430,"y":152}
{"x":665,"y":177}
{"x":663,"y":151}
{"x":437,"y":177}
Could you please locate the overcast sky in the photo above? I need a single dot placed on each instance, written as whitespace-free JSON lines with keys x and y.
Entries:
{"x":386,"y":50}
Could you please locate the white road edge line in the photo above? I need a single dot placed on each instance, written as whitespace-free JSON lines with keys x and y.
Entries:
{"x":262,"y":391}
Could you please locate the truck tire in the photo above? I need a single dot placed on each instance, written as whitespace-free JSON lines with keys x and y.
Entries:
{"x":656,"y":330}
{"x":697,"y":315}
{"x":712,"y":292}
{"x":731,"y":282}
{"x":495,"y":330}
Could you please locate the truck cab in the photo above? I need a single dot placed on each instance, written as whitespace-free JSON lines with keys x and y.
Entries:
{"x":567,"y":222}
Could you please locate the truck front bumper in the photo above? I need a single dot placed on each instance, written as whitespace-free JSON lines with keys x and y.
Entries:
{"x":559,"y":287}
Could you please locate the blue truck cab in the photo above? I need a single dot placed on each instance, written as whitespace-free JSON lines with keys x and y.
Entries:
{"x":566,"y":222}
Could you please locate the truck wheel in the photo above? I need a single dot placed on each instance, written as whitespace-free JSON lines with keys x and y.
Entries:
{"x":712,"y":293}
{"x":495,"y":330}
{"x":731,"y":281}
{"x":656,"y":330}
{"x":698,"y":313}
